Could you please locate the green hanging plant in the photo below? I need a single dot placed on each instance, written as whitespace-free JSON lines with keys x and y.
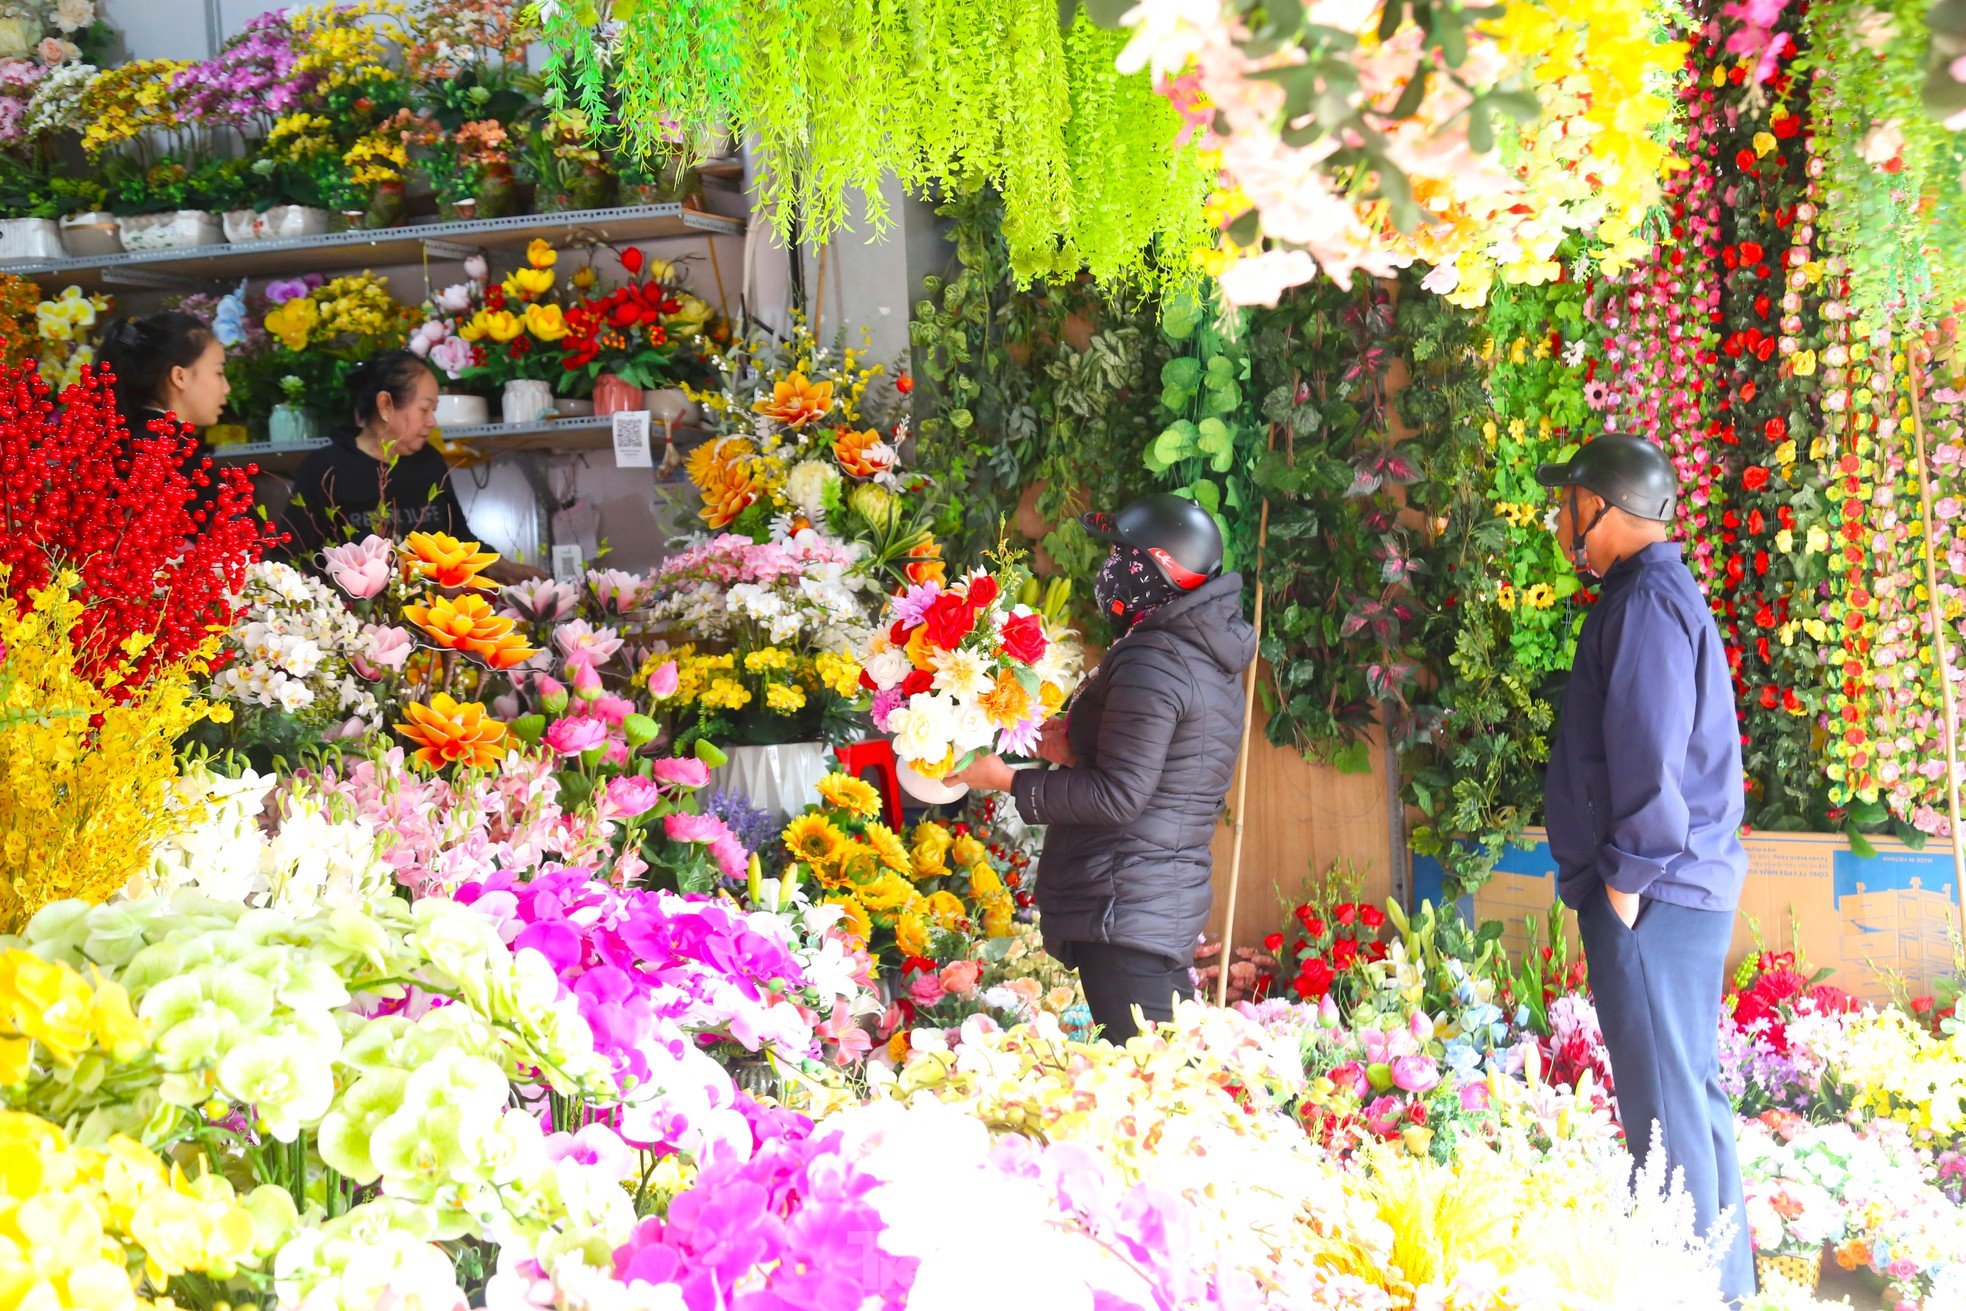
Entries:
{"x":948,"y":96}
{"x":1211,"y":435}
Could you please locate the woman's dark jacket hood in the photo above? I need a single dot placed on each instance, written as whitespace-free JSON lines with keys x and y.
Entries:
{"x":1156,"y":728}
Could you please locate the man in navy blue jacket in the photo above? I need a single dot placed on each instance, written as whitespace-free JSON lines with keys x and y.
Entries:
{"x":1644,"y":808}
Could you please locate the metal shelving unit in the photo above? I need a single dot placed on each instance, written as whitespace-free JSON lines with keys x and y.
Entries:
{"x":197,"y":266}
{"x":583,"y":433}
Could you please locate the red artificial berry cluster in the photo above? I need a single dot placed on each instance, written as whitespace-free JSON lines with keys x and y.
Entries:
{"x":78,"y":491}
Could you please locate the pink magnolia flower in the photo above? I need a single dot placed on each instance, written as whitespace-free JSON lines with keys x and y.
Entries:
{"x":539,"y":601}
{"x":683,"y":771}
{"x":618,"y":591}
{"x":575,"y":734}
{"x":360,"y":569}
{"x":578,"y":637}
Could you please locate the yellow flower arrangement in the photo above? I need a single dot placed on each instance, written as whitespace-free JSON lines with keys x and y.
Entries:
{"x":343,"y":44}
{"x":375,"y":159}
{"x":100,"y":1226}
{"x":46,"y":1005}
{"x":88,"y":778}
{"x":123,"y":102}
{"x":887,"y":846}
{"x":856,"y":796}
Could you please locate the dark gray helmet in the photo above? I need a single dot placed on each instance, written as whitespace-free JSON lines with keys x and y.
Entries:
{"x":1628,"y":472}
{"x":1179,"y":536}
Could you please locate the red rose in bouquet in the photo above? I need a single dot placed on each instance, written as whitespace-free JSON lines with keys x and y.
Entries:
{"x":949,"y":620}
{"x":1024,"y":640}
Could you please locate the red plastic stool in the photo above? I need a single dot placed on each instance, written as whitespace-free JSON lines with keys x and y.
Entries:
{"x":875,"y":757}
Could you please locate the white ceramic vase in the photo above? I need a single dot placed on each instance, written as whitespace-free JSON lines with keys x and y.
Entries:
{"x":525,"y":400}
{"x":782,"y":779}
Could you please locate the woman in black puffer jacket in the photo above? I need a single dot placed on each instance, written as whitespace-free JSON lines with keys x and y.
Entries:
{"x":1148,"y":751}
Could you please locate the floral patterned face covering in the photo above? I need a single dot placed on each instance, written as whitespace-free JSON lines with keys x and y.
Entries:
{"x":1130,"y":587}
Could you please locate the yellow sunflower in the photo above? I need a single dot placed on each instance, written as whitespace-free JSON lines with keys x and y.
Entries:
{"x":888,"y":847}
{"x":855,"y":924}
{"x":911,"y":933}
{"x":855,"y":796}
{"x":858,"y":862}
{"x":814,"y":839}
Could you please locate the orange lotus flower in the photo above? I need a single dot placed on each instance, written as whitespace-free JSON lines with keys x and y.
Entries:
{"x":795,"y":402}
{"x":862,"y":454}
{"x":447,"y":732}
{"x":446,"y":561}
{"x":925,"y":563}
{"x":468,"y":624}
{"x":729,"y":489}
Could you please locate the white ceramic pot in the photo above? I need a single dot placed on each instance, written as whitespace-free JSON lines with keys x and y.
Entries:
{"x":455,"y":410}
{"x":928,"y":791}
{"x":84,"y":236}
{"x":525,"y":400}
{"x":180,"y":230}
{"x":30,"y":238}
{"x":291,"y":425}
{"x":278,"y":223}
{"x":781,"y":779}
{"x":670,"y":405}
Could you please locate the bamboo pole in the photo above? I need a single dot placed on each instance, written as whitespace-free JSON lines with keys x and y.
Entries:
{"x":1242,"y":764}
{"x":1941,"y":656}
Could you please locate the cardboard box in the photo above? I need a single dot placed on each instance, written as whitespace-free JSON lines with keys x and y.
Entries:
{"x":1895,"y":915}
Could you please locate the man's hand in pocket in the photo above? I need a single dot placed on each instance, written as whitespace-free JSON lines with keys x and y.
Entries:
{"x":1626,"y":905}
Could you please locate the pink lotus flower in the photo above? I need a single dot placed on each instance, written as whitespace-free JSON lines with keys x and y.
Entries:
{"x":629,"y":795}
{"x":683,"y":771}
{"x":961,"y":977}
{"x":610,"y":709}
{"x":730,"y":855}
{"x":575,"y":734}
{"x":663,"y":680}
{"x":1415,"y":1074}
{"x":552,"y":693}
{"x":694,"y":828}
{"x":586,"y":683}
{"x":360,"y":569}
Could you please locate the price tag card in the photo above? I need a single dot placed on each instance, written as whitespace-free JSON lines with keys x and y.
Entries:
{"x":631,"y":440}
{"x":569,"y":564}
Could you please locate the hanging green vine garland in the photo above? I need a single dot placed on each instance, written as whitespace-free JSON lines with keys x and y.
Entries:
{"x":1210,"y":435}
{"x":837,"y":94}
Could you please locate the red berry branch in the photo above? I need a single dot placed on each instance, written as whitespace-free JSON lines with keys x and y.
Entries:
{"x":77,"y":491}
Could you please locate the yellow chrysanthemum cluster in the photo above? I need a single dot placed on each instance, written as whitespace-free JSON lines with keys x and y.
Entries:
{"x":102,"y":1227}
{"x":48,"y":1008}
{"x":898,"y":893}
{"x":780,"y":679}
{"x":87,"y":777}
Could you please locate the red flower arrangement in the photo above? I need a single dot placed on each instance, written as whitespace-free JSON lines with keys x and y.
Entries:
{"x":78,"y":491}
{"x":1325,"y":951}
{"x":1774,"y":991}
{"x":641,"y":332}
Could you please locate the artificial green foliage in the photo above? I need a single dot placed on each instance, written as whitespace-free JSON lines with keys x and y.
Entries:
{"x":948,"y":96}
{"x":1210,"y":436}
{"x":1010,"y":401}
{"x":1341,"y":624}
{"x":1898,"y":219}
{"x":1478,"y":733}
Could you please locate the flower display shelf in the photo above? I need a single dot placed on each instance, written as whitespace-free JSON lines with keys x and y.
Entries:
{"x":379,"y":248}
{"x":577,"y":434}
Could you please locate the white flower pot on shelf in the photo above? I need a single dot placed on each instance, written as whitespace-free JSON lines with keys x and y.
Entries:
{"x":90,"y":234}
{"x":291,"y":425}
{"x":175,"y":231}
{"x":928,"y":791}
{"x":456,"y":410}
{"x":30,"y":238}
{"x":276,"y":224}
{"x":782,"y":779}
{"x":524,"y":400}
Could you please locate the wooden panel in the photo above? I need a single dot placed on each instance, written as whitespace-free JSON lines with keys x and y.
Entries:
{"x":1302,"y":818}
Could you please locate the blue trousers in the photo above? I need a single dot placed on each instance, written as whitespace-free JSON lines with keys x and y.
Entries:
{"x":1657,"y":987}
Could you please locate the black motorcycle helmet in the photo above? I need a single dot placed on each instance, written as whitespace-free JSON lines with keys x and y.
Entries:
{"x":1179,"y":536}
{"x":1628,"y":472}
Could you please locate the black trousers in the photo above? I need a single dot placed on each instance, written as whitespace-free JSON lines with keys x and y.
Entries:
{"x":1657,"y":988}
{"x":1116,"y":979}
